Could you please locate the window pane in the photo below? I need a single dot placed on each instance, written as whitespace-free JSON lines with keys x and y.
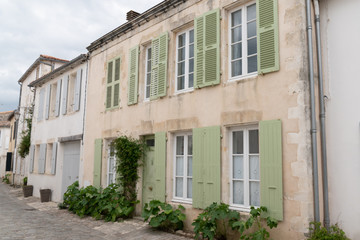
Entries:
{"x":191,"y":51}
{"x":238,"y":145}
{"x":252,"y":46}
{"x":191,"y":36}
{"x":252,"y":64}
{"x":251,"y":12}
{"x":149,"y":66}
{"x":191,"y":80}
{"x":181,"y":83}
{"x":236,"y":18}
{"x":238,"y":192}
{"x":182,"y":40}
{"x":147,"y":91}
{"x":254,"y":141}
{"x":110,"y":178}
{"x":179,"y":187}
{"x":236,"y":34}
{"x":148,"y":78}
{"x":181,"y":54}
{"x":254,"y":167}
{"x":149,"y":53}
{"x":251,"y":29}
{"x":238,"y":167}
{"x":181,"y":68}
{"x":179,"y":166}
{"x":236,"y":51}
{"x":254,"y":193}
{"x":191,"y":65}
{"x":180,"y":145}
{"x":236,"y":68}
{"x":190,"y":145}
{"x":189,"y":188}
{"x":189,"y":173}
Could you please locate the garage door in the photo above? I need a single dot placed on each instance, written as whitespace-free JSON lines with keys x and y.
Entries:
{"x":71,"y":162}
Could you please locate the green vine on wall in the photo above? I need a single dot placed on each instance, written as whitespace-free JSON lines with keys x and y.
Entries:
{"x":128,"y":153}
{"x":24,"y":145}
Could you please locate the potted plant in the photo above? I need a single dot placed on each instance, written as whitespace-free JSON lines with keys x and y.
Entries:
{"x":45,"y":195}
{"x":27,"y":189}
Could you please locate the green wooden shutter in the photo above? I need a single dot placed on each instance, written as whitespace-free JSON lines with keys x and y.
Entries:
{"x":207,"y":49}
{"x":206,"y":166}
{"x":271,"y":192}
{"x":267,"y":36}
{"x":133,"y":75}
{"x":160,"y":166}
{"x":97,"y":162}
{"x":116,"y":96}
{"x":159,"y":55}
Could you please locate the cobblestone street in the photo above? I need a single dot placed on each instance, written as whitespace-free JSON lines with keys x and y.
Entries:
{"x":30,"y":219}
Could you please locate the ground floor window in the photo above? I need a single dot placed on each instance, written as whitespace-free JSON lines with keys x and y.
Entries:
{"x":111,"y":171}
{"x":183,"y":167}
{"x":245,"y":167}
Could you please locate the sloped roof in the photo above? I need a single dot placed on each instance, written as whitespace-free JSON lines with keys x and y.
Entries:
{"x":4,"y":119}
{"x":42,"y":57}
{"x":146,"y":16}
{"x":60,"y":70}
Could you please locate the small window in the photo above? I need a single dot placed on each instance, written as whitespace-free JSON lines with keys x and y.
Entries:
{"x":245,"y":165}
{"x":243,"y":41}
{"x":185,"y":60}
{"x":111,"y":169}
{"x":148,"y":73}
{"x":183,"y":167}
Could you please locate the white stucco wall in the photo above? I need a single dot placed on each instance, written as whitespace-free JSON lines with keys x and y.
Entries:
{"x":4,"y":136}
{"x":50,"y":130}
{"x":340,"y":38}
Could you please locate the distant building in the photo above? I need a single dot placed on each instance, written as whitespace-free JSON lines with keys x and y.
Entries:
{"x":5,"y":160}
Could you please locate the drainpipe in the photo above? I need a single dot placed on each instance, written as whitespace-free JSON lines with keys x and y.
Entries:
{"x":322,"y":117}
{"x":313,"y":114}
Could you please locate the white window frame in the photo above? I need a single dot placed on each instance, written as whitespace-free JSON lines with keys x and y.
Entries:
{"x":185,"y":177}
{"x":108,"y":171}
{"x":186,"y":74}
{"x":146,"y":99}
{"x":246,"y":206}
{"x":244,"y":56}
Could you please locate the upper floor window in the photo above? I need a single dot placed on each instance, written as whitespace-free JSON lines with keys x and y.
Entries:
{"x":245,"y":174}
{"x":243,"y":41}
{"x":148,"y":73}
{"x":113,"y":83}
{"x":185,"y":60}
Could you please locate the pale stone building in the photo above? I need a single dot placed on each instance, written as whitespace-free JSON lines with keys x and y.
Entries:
{"x":4,"y":143}
{"x":41,"y":66}
{"x":218,"y":89}
{"x":57,"y":128}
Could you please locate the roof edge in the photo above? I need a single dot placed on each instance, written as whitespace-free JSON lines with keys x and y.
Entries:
{"x":59,"y":70}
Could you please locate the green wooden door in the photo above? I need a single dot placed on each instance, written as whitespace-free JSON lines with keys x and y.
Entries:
{"x":149,"y":171}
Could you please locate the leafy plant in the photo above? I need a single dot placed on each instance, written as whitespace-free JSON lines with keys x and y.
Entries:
{"x":164,"y":216}
{"x":25,"y":180}
{"x":24,"y":145}
{"x":317,"y":232}
{"x":255,"y":218}
{"x":128,"y":151}
{"x":107,"y":203}
{"x":214,"y":221}
{"x":6,"y":178}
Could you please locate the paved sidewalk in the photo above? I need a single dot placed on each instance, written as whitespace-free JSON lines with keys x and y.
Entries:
{"x":30,"y":219}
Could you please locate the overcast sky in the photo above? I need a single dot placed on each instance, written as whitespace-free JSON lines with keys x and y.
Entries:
{"x":59,"y":28}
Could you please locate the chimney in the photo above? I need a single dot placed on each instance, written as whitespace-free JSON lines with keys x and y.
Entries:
{"x":131,"y":15}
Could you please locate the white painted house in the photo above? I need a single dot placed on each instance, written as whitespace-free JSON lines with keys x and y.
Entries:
{"x":57,"y":130}
{"x":42,"y":65}
{"x":340,"y":41}
{"x":4,"y":142}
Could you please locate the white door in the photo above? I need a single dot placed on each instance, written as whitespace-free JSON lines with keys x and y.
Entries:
{"x":71,"y":162}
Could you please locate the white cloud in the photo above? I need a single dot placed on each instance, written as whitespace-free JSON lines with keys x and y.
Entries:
{"x":57,"y":28}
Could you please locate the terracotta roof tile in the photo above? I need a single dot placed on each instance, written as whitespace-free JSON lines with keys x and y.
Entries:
{"x":53,"y":58}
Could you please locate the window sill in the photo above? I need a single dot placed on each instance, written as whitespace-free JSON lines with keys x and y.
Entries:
{"x":239,"y":208}
{"x":182,"y":200}
{"x":239,"y":78}
{"x":184,"y":91}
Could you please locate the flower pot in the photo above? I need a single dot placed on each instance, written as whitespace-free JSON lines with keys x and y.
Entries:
{"x":28,"y":190}
{"x":45,"y":195}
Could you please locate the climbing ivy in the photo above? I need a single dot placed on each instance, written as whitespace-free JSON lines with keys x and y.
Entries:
{"x":25,"y":143}
{"x":128,"y":152}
